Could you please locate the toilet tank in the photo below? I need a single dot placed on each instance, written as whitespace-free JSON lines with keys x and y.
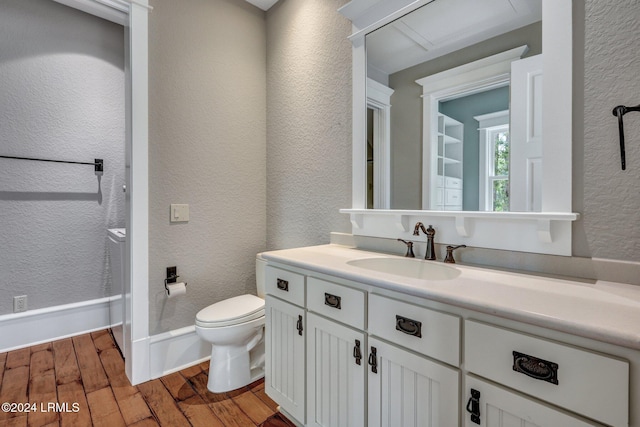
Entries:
{"x":260,"y":267}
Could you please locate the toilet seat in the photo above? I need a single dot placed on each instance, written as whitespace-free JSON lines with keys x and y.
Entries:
{"x":232,"y":311}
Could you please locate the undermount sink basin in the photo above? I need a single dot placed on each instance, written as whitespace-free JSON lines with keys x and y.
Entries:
{"x":407,"y":267}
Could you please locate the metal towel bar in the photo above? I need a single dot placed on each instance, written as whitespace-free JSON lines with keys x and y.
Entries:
{"x":620,"y":111}
{"x":98,"y":163}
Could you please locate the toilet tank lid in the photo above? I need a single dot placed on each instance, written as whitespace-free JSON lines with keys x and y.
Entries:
{"x":231,"y":309}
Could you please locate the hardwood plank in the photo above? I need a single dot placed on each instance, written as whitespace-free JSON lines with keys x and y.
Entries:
{"x":42,"y":390}
{"x":113,"y":364}
{"x":3,"y":360}
{"x":93,"y":376}
{"x":40,"y":347}
{"x":70,"y":393}
{"x":18,"y":358}
{"x":149,"y":422}
{"x":230,"y":414}
{"x":191,"y":371}
{"x":199,"y":383}
{"x":257,"y":385}
{"x":41,"y":363}
{"x":134,"y":408}
{"x":199,"y":413}
{"x":262,"y":395}
{"x":251,"y":405}
{"x":178,"y":386}
{"x":162,"y":404}
{"x":65,"y":363}
{"x":131,"y":403}
{"x":102,"y":340}
{"x":56,"y":372}
{"x":14,"y":390}
{"x":278,"y":420}
{"x":20,"y":421}
{"x":104,"y":409}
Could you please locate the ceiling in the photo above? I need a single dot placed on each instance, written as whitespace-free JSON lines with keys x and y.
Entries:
{"x":444,"y":26}
{"x":263,"y":4}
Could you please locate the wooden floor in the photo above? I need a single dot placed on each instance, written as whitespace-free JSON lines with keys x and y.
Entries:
{"x":85,"y":377}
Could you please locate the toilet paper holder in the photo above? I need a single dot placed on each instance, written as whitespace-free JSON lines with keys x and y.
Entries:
{"x":172,"y":277}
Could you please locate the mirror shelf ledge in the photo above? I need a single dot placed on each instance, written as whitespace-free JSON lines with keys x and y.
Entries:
{"x":538,"y":232}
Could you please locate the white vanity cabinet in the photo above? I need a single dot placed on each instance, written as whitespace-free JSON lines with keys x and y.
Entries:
{"x":498,"y":407}
{"x":373,"y":356}
{"x":583,"y":381}
{"x":336,"y":363}
{"x":336,"y":354}
{"x":285,"y":331}
{"x":409,"y":390}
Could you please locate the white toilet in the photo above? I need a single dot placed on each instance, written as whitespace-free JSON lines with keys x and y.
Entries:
{"x":235,"y":329}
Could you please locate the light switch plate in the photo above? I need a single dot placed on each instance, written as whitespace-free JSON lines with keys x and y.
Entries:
{"x":179,"y":213}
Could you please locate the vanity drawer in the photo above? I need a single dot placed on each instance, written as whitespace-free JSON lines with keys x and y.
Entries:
{"x":284,"y":284}
{"x":336,"y":302}
{"x":453,"y":183}
{"x":420,"y":329}
{"x":591,"y":384}
{"x":453,"y":197}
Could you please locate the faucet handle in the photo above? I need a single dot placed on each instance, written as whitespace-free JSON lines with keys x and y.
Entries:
{"x":409,"y":253}
{"x":449,"y":258}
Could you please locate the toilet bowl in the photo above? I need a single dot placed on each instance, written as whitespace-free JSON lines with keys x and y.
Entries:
{"x":235,"y":329}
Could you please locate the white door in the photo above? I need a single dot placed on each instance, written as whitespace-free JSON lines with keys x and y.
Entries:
{"x":407,"y":390}
{"x":526,"y":135}
{"x":498,"y":407}
{"x":336,"y":363}
{"x":284,"y":351}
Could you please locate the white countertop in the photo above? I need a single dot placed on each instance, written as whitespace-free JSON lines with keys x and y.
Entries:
{"x":604,"y":311}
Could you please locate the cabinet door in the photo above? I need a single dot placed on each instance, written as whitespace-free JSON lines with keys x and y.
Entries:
{"x":499,"y":407}
{"x":284,"y":356}
{"x":335,"y":375}
{"x":406,"y":390}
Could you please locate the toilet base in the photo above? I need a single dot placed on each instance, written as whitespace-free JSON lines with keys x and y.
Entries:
{"x":233,"y":367}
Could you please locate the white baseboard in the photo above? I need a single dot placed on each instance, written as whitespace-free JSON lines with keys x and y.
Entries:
{"x":43,"y":325}
{"x":175,"y":350}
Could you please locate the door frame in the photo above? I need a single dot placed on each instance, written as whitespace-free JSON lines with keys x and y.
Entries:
{"x":133,"y":15}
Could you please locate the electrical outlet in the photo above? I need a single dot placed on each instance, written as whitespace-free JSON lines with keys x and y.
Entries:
{"x":19,"y":303}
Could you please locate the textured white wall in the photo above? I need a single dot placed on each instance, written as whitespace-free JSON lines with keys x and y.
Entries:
{"x":308,"y":122}
{"x":61,"y":97}
{"x":207,"y":100}
{"x":607,"y":197}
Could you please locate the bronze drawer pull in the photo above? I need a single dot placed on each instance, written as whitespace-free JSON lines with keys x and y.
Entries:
{"x":299,"y":325}
{"x":373,"y":360}
{"x":332,"y":300}
{"x":283,"y":285}
{"x":357,"y":353}
{"x":409,"y":326}
{"x":473,"y":406}
{"x":533,"y":367}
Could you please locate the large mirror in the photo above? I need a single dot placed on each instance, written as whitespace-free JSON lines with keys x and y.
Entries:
{"x":454,"y":108}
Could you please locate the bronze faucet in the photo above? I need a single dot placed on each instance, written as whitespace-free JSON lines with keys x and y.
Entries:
{"x":449,"y":258}
{"x":430,"y":232}
{"x":409,"y":244}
